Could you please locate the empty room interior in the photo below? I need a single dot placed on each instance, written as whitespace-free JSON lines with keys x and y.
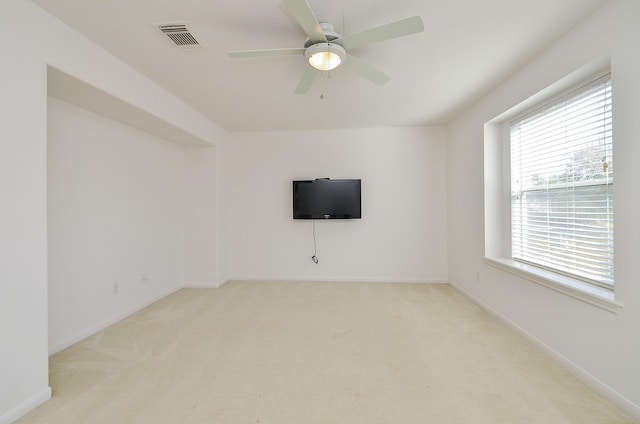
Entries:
{"x":320,"y":211}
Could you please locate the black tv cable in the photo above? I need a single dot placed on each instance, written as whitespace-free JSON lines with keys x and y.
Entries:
{"x":314,"y":258}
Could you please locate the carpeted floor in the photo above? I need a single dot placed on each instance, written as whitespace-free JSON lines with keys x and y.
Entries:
{"x":287,"y":352}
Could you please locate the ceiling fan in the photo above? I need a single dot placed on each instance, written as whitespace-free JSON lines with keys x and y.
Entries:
{"x":325,"y":49}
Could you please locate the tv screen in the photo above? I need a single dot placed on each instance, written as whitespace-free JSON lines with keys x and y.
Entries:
{"x":326,"y":199}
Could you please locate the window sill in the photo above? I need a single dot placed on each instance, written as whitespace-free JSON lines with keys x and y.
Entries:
{"x":597,"y":296}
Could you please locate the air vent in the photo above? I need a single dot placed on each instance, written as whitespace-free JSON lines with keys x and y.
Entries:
{"x":181,"y":35}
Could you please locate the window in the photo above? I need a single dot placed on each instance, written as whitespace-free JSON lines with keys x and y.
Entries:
{"x":561,"y":160}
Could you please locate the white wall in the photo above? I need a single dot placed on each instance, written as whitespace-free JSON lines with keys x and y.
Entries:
{"x":23,"y":222}
{"x":34,"y":40}
{"x":223,"y":222}
{"x":115,"y":220}
{"x":200,"y":264}
{"x":402,"y":233}
{"x":600,"y":346}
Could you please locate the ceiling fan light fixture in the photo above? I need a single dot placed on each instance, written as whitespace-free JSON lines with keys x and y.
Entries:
{"x":325,"y":56}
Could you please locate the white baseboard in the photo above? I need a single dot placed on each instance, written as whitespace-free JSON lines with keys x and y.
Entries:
{"x":577,"y":371}
{"x":120,"y":316}
{"x":25,"y":407}
{"x":194,"y":285}
{"x":204,"y":285}
{"x":316,"y":279}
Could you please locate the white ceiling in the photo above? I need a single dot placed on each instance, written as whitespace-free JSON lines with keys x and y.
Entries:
{"x":468,"y":47}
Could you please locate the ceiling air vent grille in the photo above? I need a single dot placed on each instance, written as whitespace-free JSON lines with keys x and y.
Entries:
{"x":181,"y":35}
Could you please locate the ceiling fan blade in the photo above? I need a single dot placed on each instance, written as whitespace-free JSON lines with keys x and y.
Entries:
{"x":266,"y":52}
{"x":365,"y":70}
{"x":304,"y":15}
{"x":396,"y":29}
{"x":307,"y":80}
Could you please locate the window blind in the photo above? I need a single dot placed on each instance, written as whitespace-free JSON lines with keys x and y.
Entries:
{"x":562,"y":185}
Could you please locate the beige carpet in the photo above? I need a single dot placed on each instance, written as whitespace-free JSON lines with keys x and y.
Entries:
{"x":314,"y":353}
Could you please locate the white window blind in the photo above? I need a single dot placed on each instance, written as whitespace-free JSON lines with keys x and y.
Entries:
{"x":562,"y":185}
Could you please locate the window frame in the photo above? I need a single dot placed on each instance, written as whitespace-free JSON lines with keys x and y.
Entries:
{"x":575,"y":91}
{"x":497,"y":195}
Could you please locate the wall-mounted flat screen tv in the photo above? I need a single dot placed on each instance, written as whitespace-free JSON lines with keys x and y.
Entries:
{"x":325,"y":198}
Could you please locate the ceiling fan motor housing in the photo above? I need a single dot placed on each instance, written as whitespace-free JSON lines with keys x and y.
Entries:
{"x":325,"y":55}
{"x":328,"y":31}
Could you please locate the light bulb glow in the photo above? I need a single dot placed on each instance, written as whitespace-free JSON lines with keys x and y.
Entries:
{"x":325,"y":61}
{"x":325,"y":56}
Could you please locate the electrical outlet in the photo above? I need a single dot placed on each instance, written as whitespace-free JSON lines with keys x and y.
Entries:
{"x":478,"y":277}
{"x":116,"y":288}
